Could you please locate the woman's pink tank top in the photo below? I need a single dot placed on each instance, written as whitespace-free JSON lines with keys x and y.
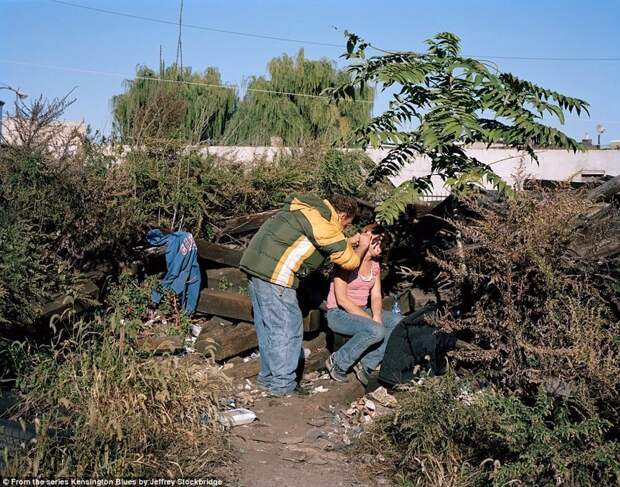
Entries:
{"x":358,"y":290}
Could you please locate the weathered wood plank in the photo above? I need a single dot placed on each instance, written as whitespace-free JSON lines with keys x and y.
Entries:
{"x":239,"y":307}
{"x":312,"y":321}
{"x":227,"y":276}
{"x":225,"y":304}
{"x":605,"y":190}
{"x":86,"y":289}
{"x":246,"y":223}
{"x":229,"y":340}
{"x":217,"y":253}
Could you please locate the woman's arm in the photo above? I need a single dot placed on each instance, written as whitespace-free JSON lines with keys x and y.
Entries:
{"x":342,"y":298}
{"x":376,"y":299}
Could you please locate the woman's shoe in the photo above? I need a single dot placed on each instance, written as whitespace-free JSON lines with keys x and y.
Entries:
{"x":334,"y":371}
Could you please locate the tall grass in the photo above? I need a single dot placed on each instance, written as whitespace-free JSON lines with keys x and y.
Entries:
{"x":105,"y":410}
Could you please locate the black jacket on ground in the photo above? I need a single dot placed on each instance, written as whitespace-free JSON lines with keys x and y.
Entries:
{"x":414,"y":342}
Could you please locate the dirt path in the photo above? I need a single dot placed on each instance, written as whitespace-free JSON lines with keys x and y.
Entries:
{"x":298,"y":441}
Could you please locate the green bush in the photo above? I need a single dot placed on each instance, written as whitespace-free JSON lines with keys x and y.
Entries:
{"x":180,"y":188}
{"x":25,"y":280}
{"x":547,"y":335}
{"x":444,"y":434}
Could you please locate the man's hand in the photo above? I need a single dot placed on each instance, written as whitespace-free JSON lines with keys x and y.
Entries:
{"x":364,"y":240}
{"x":354,"y":240}
{"x":377,"y":318}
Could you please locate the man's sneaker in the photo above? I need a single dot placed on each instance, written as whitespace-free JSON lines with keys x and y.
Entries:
{"x":362,"y":373}
{"x":334,"y":371}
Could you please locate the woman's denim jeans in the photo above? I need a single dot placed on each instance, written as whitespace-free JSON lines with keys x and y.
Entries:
{"x":368,"y":338}
{"x":279,"y":329}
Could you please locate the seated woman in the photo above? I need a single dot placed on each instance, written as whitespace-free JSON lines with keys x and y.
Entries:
{"x":349,"y":314}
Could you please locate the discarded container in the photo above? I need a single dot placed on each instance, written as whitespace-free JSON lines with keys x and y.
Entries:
{"x":237,"y":417}
{"x":307,"y":352}
{"x":196,"y":329}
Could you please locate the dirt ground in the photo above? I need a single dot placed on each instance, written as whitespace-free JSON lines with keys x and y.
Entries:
{"x":300,"y":441}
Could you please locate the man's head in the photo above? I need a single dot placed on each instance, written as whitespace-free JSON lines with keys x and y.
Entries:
{"x":346,"y":207}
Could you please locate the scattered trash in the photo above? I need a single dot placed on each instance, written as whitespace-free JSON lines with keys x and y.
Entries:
{"x":307,"y":353}
{"x":228,"y":403}
{"x":237,"y":417}
{"x":317,"y":422}
{"x":204,"y":419}
{"x":253,"y":356}
{"x":318,"y":389}
{"x":361,"y":411}
{"x":383,"y":397}
{"x":196,"y":329}
{"x":311,"y":376}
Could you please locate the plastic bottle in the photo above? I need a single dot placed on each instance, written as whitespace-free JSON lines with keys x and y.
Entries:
{"x":396,"y":307}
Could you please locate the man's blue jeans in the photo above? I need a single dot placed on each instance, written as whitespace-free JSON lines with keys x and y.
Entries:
{"x":368,"y":338}
{"x":279,"y":329}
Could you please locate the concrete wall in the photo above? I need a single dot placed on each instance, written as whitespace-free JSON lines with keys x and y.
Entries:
{"x":557,"y":165}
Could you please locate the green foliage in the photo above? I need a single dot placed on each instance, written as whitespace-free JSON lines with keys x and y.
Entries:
{"x":297,"y":119}
{"x":445,"y":434}
{"x":130,"y":299}
{"x":26,"y":281}
{"x":396,"y":203}
{"x":444,"y":102}
{"x":189,"y":106}
{"x":344,"y":173}
{"x":181,"y":188}
{"x":71,"y":202}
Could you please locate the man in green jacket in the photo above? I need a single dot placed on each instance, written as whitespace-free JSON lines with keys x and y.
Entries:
{"x":288,"y":246}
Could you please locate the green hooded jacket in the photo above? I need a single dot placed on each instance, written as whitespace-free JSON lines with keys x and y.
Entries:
{"x":296,"y":241}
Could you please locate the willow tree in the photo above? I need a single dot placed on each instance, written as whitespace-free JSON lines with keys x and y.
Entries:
{"x":443,"y":102}
{"x":299,"y":111}
{"x":174,"y":104}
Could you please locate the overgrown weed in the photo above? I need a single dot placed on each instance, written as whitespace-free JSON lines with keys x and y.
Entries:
{"x":547,"y":329}
{"x":104,"y":410}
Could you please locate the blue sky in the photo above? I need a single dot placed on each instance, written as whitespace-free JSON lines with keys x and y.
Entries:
{"x":46,"y":33}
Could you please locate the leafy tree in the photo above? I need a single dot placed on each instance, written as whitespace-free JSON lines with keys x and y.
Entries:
{"x":292,"y":117}
{"x":188,"y":106}
{"x":443,"y":102}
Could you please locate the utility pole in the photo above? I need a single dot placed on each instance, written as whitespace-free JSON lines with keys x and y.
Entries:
{"x":1,"y":107}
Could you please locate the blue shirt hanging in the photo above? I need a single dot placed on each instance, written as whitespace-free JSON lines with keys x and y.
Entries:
{"x":183,"y":275}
